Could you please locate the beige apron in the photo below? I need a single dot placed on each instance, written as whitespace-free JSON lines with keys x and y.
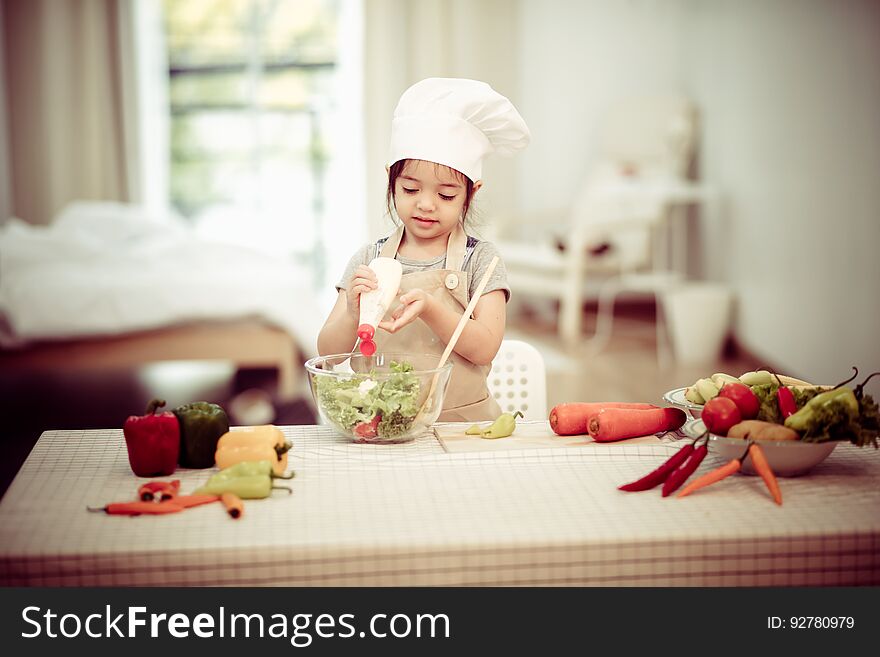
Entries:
{"x":467,"y":397}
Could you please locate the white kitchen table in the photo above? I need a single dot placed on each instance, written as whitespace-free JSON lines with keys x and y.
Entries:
{"x":415,"y":515}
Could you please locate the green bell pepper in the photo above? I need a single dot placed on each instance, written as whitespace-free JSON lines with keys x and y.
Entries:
{"x":201,"y":425}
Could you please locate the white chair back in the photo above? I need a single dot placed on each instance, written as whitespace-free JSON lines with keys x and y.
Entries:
{"x":518,"y":380}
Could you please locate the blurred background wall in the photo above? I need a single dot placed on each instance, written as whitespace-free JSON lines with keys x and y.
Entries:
{"x":788,"y":94}
{"x":791,"y":96}
{"x":789,"y":100}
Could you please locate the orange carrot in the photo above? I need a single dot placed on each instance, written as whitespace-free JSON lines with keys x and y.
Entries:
{"x":717,"y":474}
{"x":234,"y":505}
{"x":759,"y":460}
{"x":573,"y":418}
{"x":138,"y":508}
{"x":186,"y":501}
{"x":711,"y":477}
{"x":611,"y":424}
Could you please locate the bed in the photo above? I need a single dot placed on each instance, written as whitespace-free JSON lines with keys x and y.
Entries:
{"x":109,"y":285}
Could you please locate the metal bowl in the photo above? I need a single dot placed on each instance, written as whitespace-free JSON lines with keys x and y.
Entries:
{"x":787,"y":458}
{"x":676,"y":398}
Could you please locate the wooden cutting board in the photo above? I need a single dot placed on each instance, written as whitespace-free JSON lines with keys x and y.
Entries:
{"x":528,"y":435}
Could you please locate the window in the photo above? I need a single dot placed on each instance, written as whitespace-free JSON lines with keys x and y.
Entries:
{"x":252,"y":88}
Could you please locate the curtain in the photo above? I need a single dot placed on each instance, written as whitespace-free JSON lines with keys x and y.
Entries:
{"x":407,"y":41}
{"x":5,"y":184}
{"x":67,"y":130}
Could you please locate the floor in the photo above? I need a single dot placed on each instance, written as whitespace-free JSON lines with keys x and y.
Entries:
{"x":626,"y":370}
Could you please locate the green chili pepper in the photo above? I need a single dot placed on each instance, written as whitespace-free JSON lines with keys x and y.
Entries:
{"x":502,"y":427}
{"x":248,"y":487}
{"x":201,"y":425}
{"x":248,"y":469}
{"x":843,"y":397}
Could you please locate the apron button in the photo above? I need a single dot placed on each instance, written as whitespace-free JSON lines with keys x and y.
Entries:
{"x":452,"y":281}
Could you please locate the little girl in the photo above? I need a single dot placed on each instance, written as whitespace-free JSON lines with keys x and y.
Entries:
{"x":441,"y":131}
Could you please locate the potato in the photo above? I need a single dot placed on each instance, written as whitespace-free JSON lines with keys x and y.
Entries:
{"x":759,"y":430}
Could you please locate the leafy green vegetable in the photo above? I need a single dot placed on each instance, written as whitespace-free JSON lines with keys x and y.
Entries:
{"x":358,"y":399}
{"x":832,"y":421}
{"x":869,"y":421}
{"x":835,"y":421}
{"x":769,"y":410}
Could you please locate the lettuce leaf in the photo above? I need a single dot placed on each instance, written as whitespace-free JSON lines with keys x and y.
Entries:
{"x":766,"y":394}
{"x":394,"y":399}
{"x":830,"y":422}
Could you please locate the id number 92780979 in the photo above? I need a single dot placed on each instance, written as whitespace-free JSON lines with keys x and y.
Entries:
{"x":811,"y":623}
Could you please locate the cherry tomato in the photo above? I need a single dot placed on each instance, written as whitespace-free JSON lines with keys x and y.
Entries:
{"x":368,"y":429}
{"x":741,"y":395}
{"x":720,"y":414}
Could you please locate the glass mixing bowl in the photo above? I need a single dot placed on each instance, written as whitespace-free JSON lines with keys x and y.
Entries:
{"x":381,"y":398}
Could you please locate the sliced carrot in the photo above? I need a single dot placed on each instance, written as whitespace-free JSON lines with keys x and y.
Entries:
{"x":611,"y":424}
{"x":759,"y":460}
{"x":573,"y":418}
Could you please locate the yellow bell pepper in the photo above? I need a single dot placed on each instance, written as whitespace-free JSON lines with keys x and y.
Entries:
{"x":262,"y":443}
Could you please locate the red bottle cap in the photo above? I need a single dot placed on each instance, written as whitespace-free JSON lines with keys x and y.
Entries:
{"x":366,"y":332}
{"x":368,"y":347}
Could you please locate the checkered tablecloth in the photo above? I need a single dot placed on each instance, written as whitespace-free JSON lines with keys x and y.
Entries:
{"x":412,"y":514}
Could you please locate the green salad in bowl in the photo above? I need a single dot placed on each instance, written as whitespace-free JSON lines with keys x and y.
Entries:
{"x":383,"y":398}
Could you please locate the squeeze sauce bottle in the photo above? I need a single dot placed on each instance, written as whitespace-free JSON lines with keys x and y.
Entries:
{"x":375,"y":303}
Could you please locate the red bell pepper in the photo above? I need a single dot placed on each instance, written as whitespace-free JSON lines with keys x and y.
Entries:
{"x":153,"y":441}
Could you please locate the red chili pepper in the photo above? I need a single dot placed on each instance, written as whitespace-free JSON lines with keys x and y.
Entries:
{"x":153,"y":441}
{"x":658,"y":476}
{"x":677,"y":478}
{"x":785,"y":399}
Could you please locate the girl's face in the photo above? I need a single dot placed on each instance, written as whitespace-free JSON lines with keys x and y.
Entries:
{"x":429,"y":198}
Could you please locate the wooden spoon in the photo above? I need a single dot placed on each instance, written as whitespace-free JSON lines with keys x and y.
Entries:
{"x":456,"y":334}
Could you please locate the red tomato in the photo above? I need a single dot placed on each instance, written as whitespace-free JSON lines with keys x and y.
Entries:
{"x":741,"y":395}
{"x":368,"y":429}
{"x":720,"y":414}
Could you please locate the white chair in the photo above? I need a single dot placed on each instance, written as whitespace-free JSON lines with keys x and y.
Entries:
{"x":518,"y":380}
{"x":625,"y":203}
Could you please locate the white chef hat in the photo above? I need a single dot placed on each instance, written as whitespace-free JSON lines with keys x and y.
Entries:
{"x":456,"y":122}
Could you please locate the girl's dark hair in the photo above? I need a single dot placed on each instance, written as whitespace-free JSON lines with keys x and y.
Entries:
{"x":396,"y":169}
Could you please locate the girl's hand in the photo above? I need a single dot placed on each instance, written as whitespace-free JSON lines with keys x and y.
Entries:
{"x":363,"y":280}
{"x":413,"y":304}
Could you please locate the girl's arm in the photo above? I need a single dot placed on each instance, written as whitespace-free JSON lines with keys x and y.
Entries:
{"x":481,"y":337}
{"x":339,"y":332}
